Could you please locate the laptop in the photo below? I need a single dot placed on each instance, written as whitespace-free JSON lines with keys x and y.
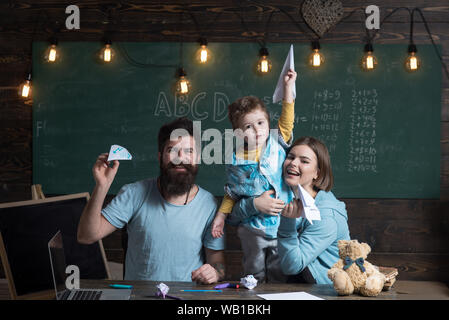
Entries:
{"x":58,"y":268}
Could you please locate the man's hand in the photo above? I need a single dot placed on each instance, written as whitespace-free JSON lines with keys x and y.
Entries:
{"x":103,"y":174}
{"x":213,"y":271}
{"x":293,"y":209}
{"x":205,"y":274}
{"x":267,"y":204}
{"x":93,"y":226}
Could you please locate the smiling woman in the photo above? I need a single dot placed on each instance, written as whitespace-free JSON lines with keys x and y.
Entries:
{"x":308,"y":164}
{"x":308,"y":250}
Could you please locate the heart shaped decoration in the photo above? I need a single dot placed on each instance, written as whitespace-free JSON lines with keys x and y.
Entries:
{"x":321,"y":15}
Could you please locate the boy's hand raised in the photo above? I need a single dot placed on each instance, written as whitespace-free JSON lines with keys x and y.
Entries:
{"x":289,"y":83}
{"x":267,"y":204}
{"x":290,"y":78}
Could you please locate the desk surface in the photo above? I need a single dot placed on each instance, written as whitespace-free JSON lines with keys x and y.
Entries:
{"x":401,"y":290}
{"x":145,"y":290}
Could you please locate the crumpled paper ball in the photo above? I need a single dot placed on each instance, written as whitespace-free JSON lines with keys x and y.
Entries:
{"x":249,"y":281}
{"x":162,"y":290}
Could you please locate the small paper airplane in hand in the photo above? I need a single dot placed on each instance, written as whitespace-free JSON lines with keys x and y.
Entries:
{"x":289,"y":63}
{"x":119,"y":153}
{"x":310,"y":211}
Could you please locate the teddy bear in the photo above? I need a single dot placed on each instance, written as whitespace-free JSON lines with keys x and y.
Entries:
{"x":352,"y":273}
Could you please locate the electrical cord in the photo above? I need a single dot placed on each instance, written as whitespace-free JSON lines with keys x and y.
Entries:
{"x":431,"y":39}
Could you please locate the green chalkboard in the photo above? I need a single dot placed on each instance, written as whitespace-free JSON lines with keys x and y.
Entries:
{"x":382,"y":127}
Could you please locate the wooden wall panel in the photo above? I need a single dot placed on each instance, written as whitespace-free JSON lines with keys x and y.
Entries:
{"x":426,"y":267}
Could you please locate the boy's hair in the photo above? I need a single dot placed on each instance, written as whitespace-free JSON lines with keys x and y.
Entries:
{"x":325,"y":179}
{"x":166,"y":130}
{"x":244,"y":105}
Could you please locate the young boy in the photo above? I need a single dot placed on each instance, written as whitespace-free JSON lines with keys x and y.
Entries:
{"x":256,"y":168}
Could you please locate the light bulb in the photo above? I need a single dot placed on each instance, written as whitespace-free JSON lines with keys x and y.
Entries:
{"x":203,"y":54}
{"x":52,"y":54}
{"x":25,"y":88}
{"x":183,"y":85}
{"x":107,"y":53}
{"x":316,"y":59}
{"x":369,"y":61}
{"x":412,"y":63}
{"x":264,"y":65}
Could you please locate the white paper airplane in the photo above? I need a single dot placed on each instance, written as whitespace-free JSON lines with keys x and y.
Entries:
{"x":119,"y":153}
{"x":289,"y":63}
{"x":310,"y":211}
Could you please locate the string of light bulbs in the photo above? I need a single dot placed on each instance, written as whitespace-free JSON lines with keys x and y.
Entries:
{"x":183,"y":84}
{"x":203,"y":54}
{"x":412,"y":62}
{"x":431,"y":39}
{"x":264,"y":64}
{"x":316,"y":58}
{"x":369,"y":61}
{"x":25,"y":87}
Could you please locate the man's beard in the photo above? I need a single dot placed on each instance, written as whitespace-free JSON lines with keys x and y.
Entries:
{"x":177,"y":183}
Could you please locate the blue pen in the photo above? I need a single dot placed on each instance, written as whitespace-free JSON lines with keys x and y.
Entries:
{"x":121,"y":286}
{"x":202,"y":290}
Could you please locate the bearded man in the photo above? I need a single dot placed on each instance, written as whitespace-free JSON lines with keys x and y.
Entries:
{"x":168,"y":218}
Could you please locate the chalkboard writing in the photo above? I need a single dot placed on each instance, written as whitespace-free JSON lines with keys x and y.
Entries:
{"x":381,"y":127}
{"x":327,"y":111}
{"x":362,"y":141}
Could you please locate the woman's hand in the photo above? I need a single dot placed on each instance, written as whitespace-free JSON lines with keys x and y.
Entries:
{"x":293,"y":209}
{"x":267,"y":204}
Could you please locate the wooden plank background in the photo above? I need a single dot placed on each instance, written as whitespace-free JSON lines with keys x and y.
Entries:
{"x":410,"y":234}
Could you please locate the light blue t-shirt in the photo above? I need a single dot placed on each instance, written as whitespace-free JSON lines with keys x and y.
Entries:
{"x":301,"y":244}
{"x":165,"y":241}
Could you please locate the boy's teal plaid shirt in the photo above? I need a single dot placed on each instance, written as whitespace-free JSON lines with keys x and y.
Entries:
{"x":248,"y":178}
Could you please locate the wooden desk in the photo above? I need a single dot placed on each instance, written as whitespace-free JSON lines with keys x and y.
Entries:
{"x":145,"y":290}
{"x":402,"y":290}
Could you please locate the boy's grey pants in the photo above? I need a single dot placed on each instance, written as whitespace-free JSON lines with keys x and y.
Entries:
{"x":260,"y":256}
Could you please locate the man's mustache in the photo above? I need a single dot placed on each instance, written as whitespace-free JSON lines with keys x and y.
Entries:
{"x":188,"y":167}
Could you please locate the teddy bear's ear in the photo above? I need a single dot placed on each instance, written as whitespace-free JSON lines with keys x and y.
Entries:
{"x":342,"y":244}
{"x":366,"y":247}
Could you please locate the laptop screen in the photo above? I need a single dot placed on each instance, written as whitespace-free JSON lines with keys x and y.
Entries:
{"x":57,"y":261}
